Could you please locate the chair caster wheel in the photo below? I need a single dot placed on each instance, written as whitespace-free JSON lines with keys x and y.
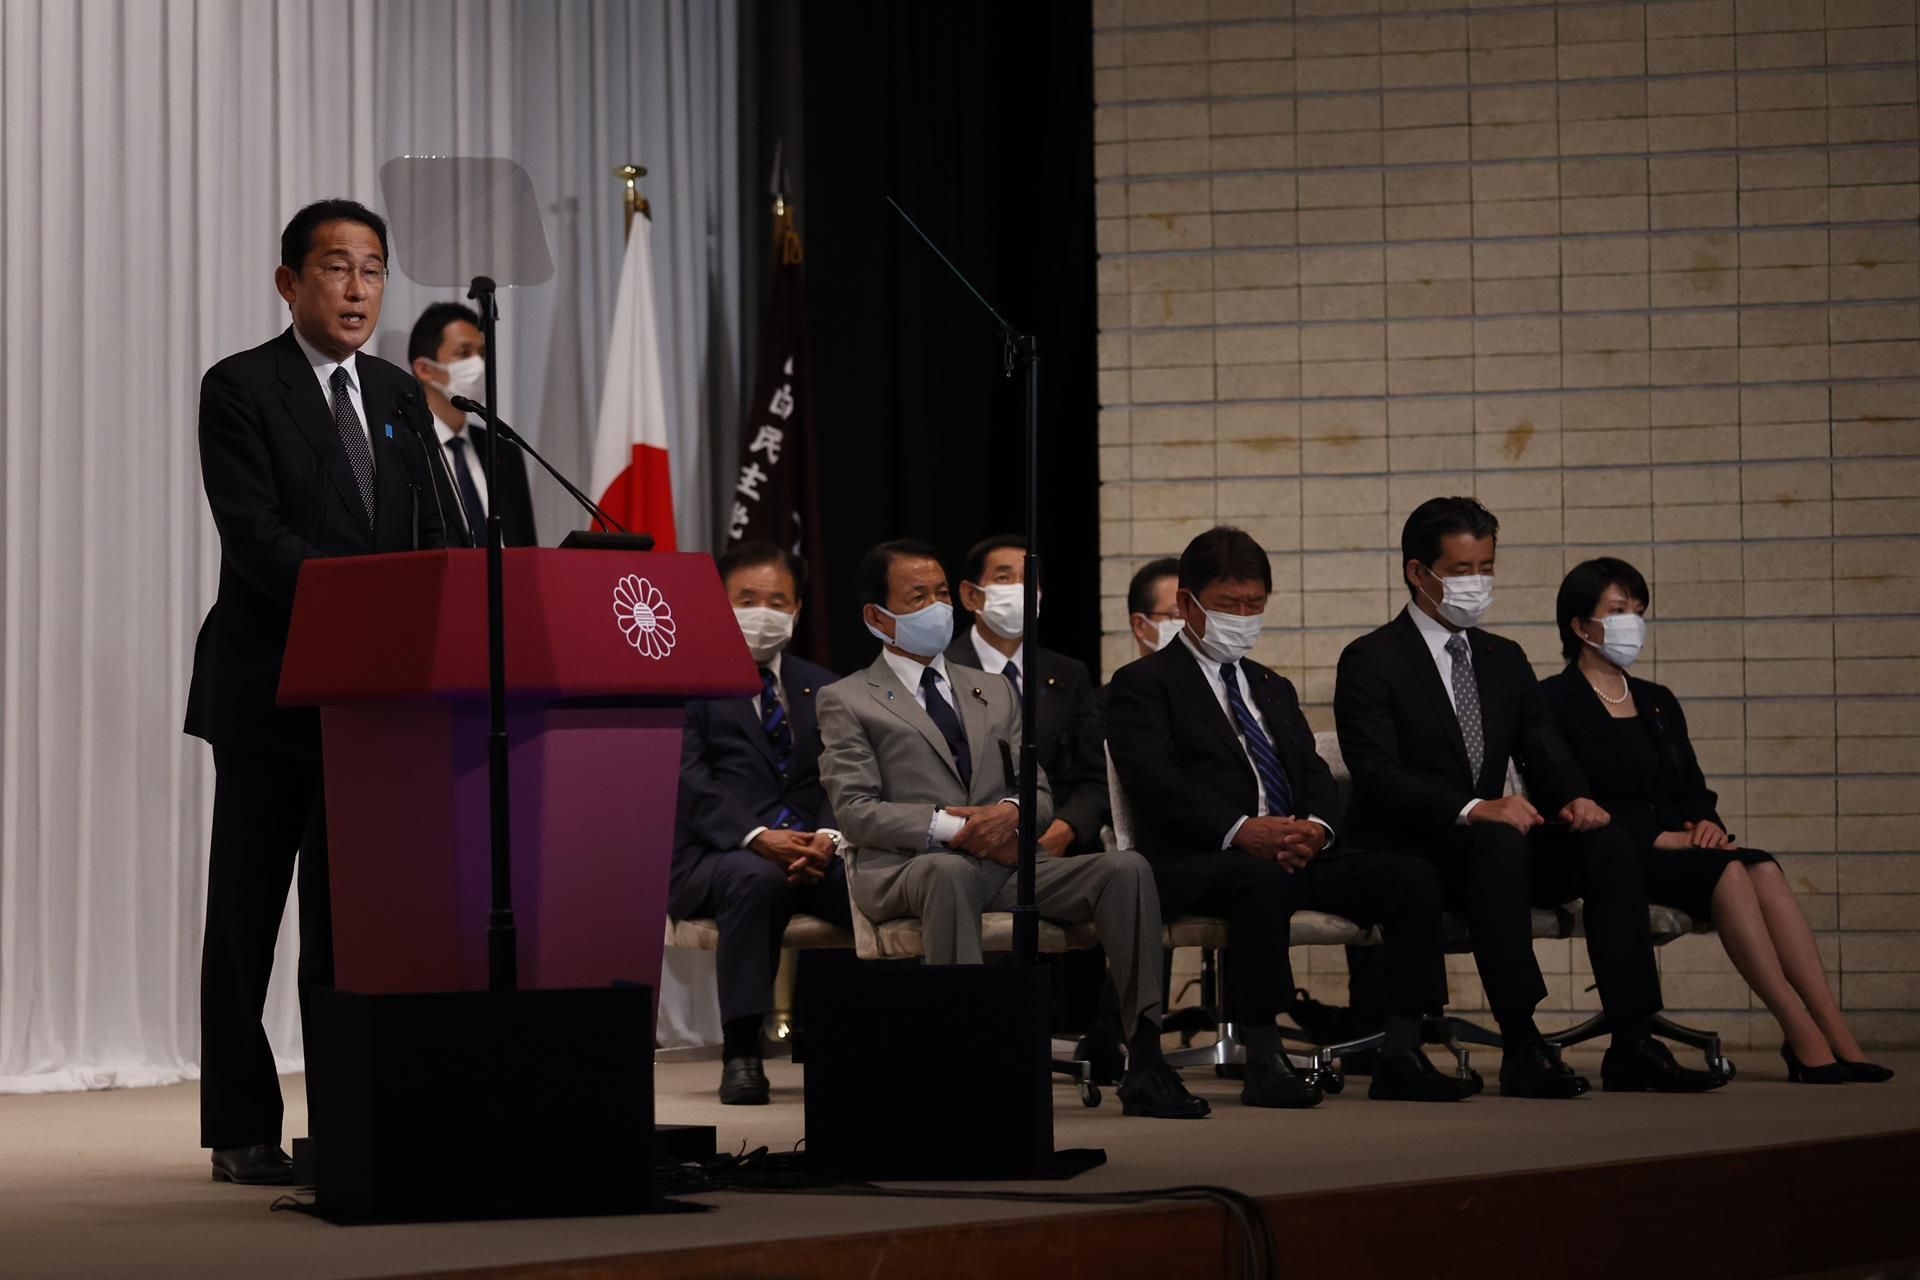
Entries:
{"x":1089,"y":1094}
{"x":1723,"y":1068}
{"x":1332,"y":1081}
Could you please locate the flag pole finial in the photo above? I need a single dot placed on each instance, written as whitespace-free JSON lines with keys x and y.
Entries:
{"x":630,"y":175}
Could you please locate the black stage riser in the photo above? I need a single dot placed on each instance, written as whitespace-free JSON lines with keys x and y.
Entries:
{"x":444,"y":1106}
{"x":929,"y":1072}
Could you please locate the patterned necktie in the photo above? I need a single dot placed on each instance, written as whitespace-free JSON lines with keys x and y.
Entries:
{"x":1466,"y":704}
{"x":469,"y":492}
{"x":1012,"y":672}
{"x":947,"y":721}
{"x":353,"y":438}
{"x":773,"y":720}
{"x":1273,"y":778}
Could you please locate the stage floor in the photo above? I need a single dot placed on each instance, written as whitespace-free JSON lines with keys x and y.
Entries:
{"x":111,"y":1184}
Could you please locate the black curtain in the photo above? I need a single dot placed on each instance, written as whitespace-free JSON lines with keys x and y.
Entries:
{"x":978,"y":119}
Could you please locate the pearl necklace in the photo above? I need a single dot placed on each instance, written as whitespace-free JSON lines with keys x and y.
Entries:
{"x":1612,"y":702}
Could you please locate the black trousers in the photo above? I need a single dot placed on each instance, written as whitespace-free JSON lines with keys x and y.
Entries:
{"x":1495,"y":876}
{"x":751,"y":900}
{"x":268,"y":814}
{"x":1258,"y":897}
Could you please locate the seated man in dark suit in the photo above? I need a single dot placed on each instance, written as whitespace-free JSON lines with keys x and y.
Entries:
{"x":752,"y":843}
{"x":1068,"y":742}
{"x":1430,"y":709}
{"x":1219,"y":765}
{"x":449,"y":357}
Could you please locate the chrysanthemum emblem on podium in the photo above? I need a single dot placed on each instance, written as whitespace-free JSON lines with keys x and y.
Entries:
{"x":644,"y":616}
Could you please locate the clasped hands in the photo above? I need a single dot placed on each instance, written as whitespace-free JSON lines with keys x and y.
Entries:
{"x":991,"y":831}
{"x":803,"y":855}
{"x":1703,"y":834}
{"x":1291,"y":842}
{"x":1579,"y":815}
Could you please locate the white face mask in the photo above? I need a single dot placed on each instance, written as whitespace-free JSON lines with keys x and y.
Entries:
{"x":1622,"y":637}
{"x":1004,"y":610}
{"x":1463,"y":600}
{"x":767,"y":631}
{"x":466,"y":377}
{"x":1165,"y":629}
{"x":1230,"y":636}
{"x":924,"y":633}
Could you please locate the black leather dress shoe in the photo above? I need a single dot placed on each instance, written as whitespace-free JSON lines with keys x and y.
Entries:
{"x":1272,"y":1082}
{"x":261,"y":1165}
{"x":1107,"y":1059}
{"x":1408,"y":1075}
{"x":1530,"y":1070}
{"x":1157,"y":1092}
{"x":1649,"y":1065}
{"x":743,"y":1083}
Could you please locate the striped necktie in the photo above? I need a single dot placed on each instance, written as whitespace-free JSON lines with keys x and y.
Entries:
{"x":1266,"y":765}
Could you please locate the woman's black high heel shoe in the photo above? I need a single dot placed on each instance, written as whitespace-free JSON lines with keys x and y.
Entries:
{"x":1866,"y":1072}
{"x":1799,"y":1072}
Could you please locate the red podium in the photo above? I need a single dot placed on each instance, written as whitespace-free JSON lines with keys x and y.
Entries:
{"x":603,"y":649}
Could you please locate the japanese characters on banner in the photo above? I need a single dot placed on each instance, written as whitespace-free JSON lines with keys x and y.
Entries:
{"x":776,"y":494}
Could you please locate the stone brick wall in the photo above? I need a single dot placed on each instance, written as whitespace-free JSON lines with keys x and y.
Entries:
{"x":1645,"y":278}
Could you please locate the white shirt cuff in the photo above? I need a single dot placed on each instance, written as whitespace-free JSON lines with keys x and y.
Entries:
{"x":1327,"y":827}
{"x":944,"y":827}
{"x":1232,"y":831}
{"x":752,"y":835}
{"x":1461,"y":821}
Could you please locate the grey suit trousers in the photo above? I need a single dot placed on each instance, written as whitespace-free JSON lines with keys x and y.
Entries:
{"x":950,"y":891}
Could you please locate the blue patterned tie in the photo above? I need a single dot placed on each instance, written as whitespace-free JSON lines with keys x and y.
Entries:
{"x":947,"y":721}
{"x":1273,"y":778}
{"x":773,"y":720}
{"x":1012,"y":672}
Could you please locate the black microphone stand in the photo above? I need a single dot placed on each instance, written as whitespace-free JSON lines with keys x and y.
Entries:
{"x":503,"y":966}
{"x":1022,"y":349}
{"x":519,"y":442}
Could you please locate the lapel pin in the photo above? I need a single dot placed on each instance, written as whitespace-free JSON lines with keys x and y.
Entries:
{"x":806,"y":693}
{"x":389,"y":431}
{"x":981,"y":696}
{"x":1051,"y":681}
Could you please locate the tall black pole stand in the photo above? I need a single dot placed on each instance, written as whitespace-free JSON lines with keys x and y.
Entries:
{"x":1026,"y":918}
{"x":502,"y":953}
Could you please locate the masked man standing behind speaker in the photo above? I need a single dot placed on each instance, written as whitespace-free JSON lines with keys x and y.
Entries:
{"x":301,"y":458}
{"x":753,"y":842}
{"x":919,"y":756}
{"x":449,"y":357}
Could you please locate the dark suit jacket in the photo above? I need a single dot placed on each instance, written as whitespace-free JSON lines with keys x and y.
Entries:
{"x":1680,"y":793}
{"x":510,"y":494}
{"x":728,"y":784}
{"x":1186,"y":775}
{"x":282,"y":492}
{"x":1402,"y":742}
{"x":1068,"y":736}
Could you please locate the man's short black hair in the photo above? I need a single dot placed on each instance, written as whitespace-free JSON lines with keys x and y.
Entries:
{"x":1140,"y":590}
{"x":1434,"y":520}
{"x":757,"y":552}
{"x":877,"y":564}
{"x":296,"y":242}
{"x":431,"y":328}
{"x":976,"y":562}
{"x":1580,"y":595}
{"x":1224,"y":554}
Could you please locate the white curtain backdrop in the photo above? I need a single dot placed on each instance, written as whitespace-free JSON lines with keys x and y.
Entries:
{"x":149,"y":154}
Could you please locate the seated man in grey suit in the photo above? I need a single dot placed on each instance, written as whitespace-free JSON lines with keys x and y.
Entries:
{"x":915,"y":755}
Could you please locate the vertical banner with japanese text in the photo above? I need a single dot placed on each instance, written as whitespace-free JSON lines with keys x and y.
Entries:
{"x":776,"y":495}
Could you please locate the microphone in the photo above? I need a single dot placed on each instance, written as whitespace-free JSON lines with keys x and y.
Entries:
{"x":507,"y":433}
{"x":410,"y":412}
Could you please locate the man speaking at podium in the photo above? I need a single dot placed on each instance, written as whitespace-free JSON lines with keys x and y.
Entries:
{"x":302,"y":455}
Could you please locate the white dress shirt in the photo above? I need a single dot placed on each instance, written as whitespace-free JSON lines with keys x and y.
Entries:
{"x":1211,"y":670}
{"x":323,"y":367}
{"x":1436,"y":637}
{"x":945,"y":826}
{"x":464,"y":456}
{"x":992,"y":661}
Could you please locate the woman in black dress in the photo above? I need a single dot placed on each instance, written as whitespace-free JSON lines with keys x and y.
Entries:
{"x":1631,"y":739}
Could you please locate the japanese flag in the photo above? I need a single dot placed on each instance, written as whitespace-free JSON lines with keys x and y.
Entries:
{"x":631,"y":474}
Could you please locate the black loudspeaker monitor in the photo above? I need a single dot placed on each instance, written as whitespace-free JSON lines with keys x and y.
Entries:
{"x":454,"y":1105}
{"x":929,"y":1072}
